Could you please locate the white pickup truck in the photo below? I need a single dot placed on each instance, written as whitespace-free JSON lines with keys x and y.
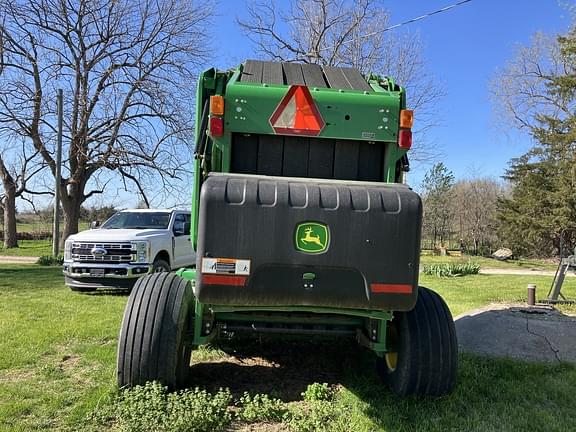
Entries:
{"x":130,"y":244}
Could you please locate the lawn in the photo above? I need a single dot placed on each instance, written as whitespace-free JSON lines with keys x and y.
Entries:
{"x":57,"y":370}
{"x":38,"y":226}
{"x":32,"y":248}
{"x":515,"y":264}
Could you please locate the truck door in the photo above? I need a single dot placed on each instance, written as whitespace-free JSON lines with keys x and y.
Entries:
{"x":182,"y":252}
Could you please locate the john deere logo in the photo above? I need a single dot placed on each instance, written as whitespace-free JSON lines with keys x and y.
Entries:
{"x":312,"y":237}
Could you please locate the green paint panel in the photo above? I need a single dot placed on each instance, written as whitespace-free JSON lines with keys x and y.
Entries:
{"x":349,"y":114}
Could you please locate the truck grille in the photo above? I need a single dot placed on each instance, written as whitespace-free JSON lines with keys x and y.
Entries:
{"x":115,"y":253}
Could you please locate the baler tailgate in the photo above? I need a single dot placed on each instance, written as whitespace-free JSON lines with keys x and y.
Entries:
{"x":310,"y":242}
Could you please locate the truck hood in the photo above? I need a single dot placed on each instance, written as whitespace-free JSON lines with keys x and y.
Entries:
{"x":116,"y":235}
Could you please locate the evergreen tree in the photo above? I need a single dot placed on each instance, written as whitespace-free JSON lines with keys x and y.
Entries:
{"x":437,"y":195}
{"x":540,"y":214}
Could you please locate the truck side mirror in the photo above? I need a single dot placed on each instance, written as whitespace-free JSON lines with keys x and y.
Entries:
{"x":94,"y":224}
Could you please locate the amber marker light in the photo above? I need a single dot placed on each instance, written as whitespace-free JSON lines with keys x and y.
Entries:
{"x":406,"y":119}
{"x":217,"y":105}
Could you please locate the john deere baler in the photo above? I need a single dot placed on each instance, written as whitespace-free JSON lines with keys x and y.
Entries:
{"x":301,"y":225}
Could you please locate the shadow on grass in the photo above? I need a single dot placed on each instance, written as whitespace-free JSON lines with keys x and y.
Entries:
{"x":492,"y":394}
{"x":277,"y":367}
{"x":124,"y":292}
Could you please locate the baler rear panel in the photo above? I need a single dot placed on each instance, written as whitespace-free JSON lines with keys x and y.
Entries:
{"x":368,"y":258}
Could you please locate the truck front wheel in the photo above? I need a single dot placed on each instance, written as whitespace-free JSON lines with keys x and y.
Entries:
{"x":160,"y":266}
{"x":155,"y":339}
{"x":424,"y":350}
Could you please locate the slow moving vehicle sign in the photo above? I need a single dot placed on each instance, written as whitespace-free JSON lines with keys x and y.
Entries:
{"x":297,"y":114}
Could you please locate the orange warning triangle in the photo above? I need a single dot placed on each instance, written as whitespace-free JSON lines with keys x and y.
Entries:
{"x":297,"y":114}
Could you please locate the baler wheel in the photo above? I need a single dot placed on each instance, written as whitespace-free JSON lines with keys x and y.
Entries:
{"x":154,"y":340}
{"x":424,"y":355}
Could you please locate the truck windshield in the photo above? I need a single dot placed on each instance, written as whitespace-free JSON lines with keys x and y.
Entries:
{"x":135,"y":220}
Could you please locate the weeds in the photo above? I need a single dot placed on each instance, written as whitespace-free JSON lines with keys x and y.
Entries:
{"x":152,"y":408}
{"x":49,"y":260}
{"x":261,"y":407}
{"x":314,"y":416}
{"x":451,"y":269}
{"x":317,"y":392}
{"x":318,"y":413}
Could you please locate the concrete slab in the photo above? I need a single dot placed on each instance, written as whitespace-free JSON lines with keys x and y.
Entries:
{"x":538,"y":333}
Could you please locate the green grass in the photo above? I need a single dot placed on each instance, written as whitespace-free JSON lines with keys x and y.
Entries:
{"x":471,"y":292}
{"x":57,"y":371}
{"x":32,"y":248}
{"x":57,"y":350}
{"x":45,"y":226}
{"x":516,"y":264}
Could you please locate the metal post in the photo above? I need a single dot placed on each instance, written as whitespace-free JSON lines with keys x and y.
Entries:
{"x":531,"y":294}
{"x":57,"y":175}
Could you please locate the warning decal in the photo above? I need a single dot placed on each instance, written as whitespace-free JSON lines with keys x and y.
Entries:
{"x":297,"y":114}
{"x":229,"y":266}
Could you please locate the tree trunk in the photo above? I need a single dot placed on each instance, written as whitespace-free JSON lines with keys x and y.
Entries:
{"x":71,"y":203}
{"x":10,"y":239}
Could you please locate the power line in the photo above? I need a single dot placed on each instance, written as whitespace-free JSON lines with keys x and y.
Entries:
{"x":444,"y":9}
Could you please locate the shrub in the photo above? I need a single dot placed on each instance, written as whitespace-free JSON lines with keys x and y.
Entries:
{"x":451,"y":269}
{"x":49,"y":260}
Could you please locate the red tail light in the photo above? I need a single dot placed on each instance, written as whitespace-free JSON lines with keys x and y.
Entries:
{"x":405,"y":139}
{"x":216,"y":126}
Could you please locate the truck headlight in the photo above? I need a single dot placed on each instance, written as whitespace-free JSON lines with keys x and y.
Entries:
{"x":141,"y":248}
{"x":68,"y":250}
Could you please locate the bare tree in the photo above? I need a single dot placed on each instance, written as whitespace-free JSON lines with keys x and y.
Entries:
{"x":15,"y":174}
{"x":347,"y":33}
{"x":520,"y":90}
{"x":126,"y":68}
{"x":474,"y":204}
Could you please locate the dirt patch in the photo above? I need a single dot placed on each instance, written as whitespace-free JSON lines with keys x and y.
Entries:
{"x":257,"y":427}
{"x":69,"y":362}
{"x":280,"y":368}
{"x":61,"y":361}
{"x":5,"y":259}
{"x":15,"y":375}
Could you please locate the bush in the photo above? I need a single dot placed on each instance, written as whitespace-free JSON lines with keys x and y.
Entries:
{"x":451,"y":269}
{"x":49,"y":260}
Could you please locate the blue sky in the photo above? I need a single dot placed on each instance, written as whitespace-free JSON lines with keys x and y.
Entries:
{"x":463,"y":49}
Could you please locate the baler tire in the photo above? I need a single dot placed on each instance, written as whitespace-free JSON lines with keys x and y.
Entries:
{"x":426,"y":349}
{"x":154,"y":343}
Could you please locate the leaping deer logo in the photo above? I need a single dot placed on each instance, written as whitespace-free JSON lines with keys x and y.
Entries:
{"x":309,"y":238}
